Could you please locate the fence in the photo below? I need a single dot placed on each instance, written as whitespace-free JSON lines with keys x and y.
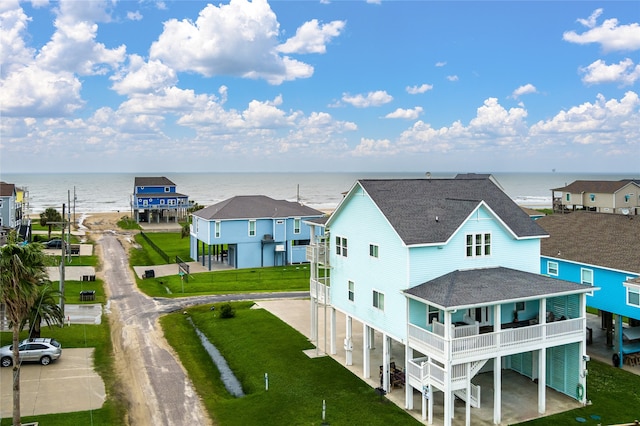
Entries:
{"x":162,"y":254}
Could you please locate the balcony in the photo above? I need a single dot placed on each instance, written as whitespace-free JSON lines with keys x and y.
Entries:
{"x":503,"y":342}
{"x":318,"y":254}
{"x":319,"y":289}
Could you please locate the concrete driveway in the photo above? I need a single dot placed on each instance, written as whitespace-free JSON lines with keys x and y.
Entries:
{"x":64,"y":386}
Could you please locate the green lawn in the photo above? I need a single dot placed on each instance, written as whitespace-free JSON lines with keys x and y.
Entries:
{"x":256,"y":280}
{"x":254,"y":343}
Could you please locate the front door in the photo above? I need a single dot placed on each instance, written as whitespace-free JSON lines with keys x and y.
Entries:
{"x":480,"y":314}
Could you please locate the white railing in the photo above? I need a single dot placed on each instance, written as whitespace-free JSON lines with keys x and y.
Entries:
{"x":319,"y":290}
{"x":487,"y":343}
{"x":475,"y":395}
{"x":458,"y":331}
{"x":317,"y":253}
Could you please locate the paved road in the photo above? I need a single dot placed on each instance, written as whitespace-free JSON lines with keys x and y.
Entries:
{"x":159,"y":390}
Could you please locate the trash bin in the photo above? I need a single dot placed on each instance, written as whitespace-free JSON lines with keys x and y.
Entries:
{"x":149,"y":273}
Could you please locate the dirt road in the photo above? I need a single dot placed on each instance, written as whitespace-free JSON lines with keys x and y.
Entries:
{"x":154,"y":382}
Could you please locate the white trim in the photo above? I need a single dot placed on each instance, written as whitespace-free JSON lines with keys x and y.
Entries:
{"x":255,"y":231}
{"x":373,"y":299}
{"x":582,"y":280}
{"x":632,"y":289}
{"x":587,"y":264}
{"x":557,"y":268}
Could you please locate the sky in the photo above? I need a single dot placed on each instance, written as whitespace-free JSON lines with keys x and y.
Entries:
{"x":329,"y":85}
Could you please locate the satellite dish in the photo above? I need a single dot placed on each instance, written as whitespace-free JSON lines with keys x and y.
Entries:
{"x":428,"y":174}
{"x":625,"y":211}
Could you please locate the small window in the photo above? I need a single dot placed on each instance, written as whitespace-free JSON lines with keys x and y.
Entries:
{"x":552,"y":268}
{"x":586,"y":278}
{"x":162,"y":202}
{"x":167,"y":189}
{"x":373,"y":250}
{"x":217,"y":229}
{"x":633,"y":296}
{"x":341,"y":246}
{"x":252,"y":228}
{"x":296,"y":225}
{"x":568,"y":197}
{"x":592,"y":197}
{"x":378,"y":300}
{"x":478,"y":245}
{"x":352,"y":291}
{"x":433,"y":314}
{"x":627,"y":197}
{"x":520,"y":306}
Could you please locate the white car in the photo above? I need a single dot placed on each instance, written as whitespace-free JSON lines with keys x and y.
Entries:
{"x":42,"y":350}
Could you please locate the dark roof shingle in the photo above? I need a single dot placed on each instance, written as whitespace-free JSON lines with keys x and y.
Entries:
{"x":596,"y":186}
{"x":255,"y":207}
{"x":153,"y":181}
{"x":481,"y":286}
{"x":602,"y":239}
{"x":412,"y":205}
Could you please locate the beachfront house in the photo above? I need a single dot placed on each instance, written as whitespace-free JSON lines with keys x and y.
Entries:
{"x":155,"y":199}
{"x":251,"y":231}
{"x":447,"y":270}
{"x":10,"y":209}
{"x":604,"y":196}
{"x":603,"y":250}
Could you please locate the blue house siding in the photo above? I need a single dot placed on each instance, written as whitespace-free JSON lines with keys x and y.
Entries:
{"x":363,"y":226}
{"x":612,"y":296}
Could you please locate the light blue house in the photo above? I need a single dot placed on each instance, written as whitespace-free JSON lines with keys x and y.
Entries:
{"x":251,"y":231}
{"x":603,"y":250}
{"x":449,"y":270}
{"x":155,"y":198}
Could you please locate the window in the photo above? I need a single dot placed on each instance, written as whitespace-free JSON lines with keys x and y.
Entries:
{"x":378,"y":300}
{"x":252,"y":228}
{"x":633,"y":296}
{"x":568,"y":197}
{"x":432,"y":314}
{"x":592,"y":197}
{"x":341,"y":246}
{"x":586,"y":278}
{"x":1,"y":202}
{"x":478,"y":245}
{"x":520,"y":306}
{"x":352,"y":291}
{"x":373,"y":250}
{"x":167,"y":189}
{"x":217,"y":229}
{"x":162,"y":201}
{"x":552,"y":268}
{"x":172,"y":201}
{"x":627,"y":197}
{"x":296,"y":225}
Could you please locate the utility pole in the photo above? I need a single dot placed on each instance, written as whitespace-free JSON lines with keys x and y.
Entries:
{"x":62,"y":257}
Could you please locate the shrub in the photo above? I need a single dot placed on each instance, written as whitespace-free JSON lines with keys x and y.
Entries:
{"x":227,"y":311}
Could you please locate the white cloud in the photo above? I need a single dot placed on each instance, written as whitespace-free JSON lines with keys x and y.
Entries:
{"x":14,"y":53}
{"x":407,"y":114}
{"x":370,"y":147}
{"x":610,"y":35}
{"x":625,"y":73}
{"x":143,"y":77}
{"x":377,"y":98}
{"x":452,"y":77}
{"x":134,"y":16}
{"x":527,"y":89}
{"x":414,"y":90}
{"x":312,"y":38}
{"x":239,"y":39}
{"x":440,"y":64}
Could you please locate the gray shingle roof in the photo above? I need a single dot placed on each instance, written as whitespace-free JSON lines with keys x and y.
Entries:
{"x":255,"y":207}
{"x":603,"y":239}
{"x":459,"y":289}
{"x":597,"y":186}
{"x":412,"y":205}
{"x":153,"y":181}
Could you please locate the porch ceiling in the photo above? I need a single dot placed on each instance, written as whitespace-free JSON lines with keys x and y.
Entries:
{"x":460,"y":289}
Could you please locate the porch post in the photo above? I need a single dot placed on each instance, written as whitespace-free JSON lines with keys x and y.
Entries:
{"x":386,"y":359}
{"x":542,"y":380}
{"x":430,"y":390}
{"x":467,"y":419}
{"x":332,"y":314}
{"x":348,"y":343}
{"x":497,"y":367}
{"x":366,"y":357}
{"x":408,"y":390}
{"x":372,"y":338}
{"x":497,"y":390}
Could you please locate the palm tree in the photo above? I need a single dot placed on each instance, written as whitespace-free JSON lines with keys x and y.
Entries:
{"x":49,"y":217}
{"x":45,"y":309}
{"x":22,"y":271}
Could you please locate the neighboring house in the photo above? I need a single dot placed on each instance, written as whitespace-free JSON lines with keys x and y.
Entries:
{"x":251,"y":231}
{"x":604,"y":196}
{"x":155,"y":199}
{"x":533,"y":214}
{"x":449,"y":270}
{"x":597,"y":249}
{"x":8,"y":206}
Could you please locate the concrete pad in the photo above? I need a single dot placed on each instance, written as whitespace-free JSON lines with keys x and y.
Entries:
{"x":67,"y":385}
{"x":71,"y":273}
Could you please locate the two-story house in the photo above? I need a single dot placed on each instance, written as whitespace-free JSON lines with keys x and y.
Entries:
{"x":448,"y":269}
{"x":251,"y":231}
{"x":603,"y":250}
{"x":8,"y":220}
{"x":156,"y":199}
{"x":604,"y":196}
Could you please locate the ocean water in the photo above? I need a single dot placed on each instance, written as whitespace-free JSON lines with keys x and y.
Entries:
{"x":111,"y":192}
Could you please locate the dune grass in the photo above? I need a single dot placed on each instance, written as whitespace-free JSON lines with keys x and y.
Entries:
{"x":255,"y":342}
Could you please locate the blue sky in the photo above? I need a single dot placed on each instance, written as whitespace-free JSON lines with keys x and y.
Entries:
{"x":178,"y":86}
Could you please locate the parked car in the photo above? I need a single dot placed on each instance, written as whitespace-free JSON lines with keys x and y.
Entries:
{"x":53,"y":244}
{"x":42,"y":350}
